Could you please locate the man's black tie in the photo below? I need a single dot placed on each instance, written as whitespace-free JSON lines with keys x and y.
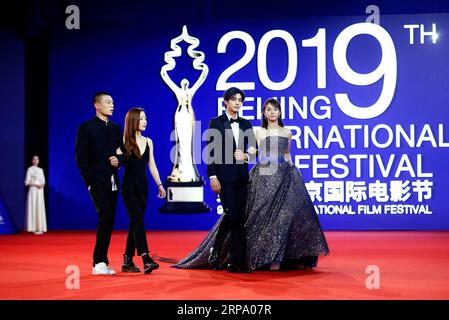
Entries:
{"x":234,"y":120}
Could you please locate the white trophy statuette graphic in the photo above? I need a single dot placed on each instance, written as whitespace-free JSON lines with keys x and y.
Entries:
{"x":184,"y":184}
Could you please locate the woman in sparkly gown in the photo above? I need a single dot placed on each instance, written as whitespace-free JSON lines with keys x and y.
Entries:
{"x":281,"y":225}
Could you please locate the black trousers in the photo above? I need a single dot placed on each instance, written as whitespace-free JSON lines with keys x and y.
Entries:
{"x":135,"y":195}
{"x":233,"y":199}
{"x":105,"y":201}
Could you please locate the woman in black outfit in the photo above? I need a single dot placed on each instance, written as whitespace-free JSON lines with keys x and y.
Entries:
{"x":138,"y":151}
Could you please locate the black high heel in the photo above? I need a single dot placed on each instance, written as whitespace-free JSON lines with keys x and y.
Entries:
{"x":148,"y":264}
{"x":128,"y":265}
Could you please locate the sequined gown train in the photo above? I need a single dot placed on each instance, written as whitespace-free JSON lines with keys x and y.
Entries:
{"x":281,"y":226}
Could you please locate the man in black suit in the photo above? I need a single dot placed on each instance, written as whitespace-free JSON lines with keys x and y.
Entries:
{"x":96,"y":143}
{"x":227,"y":168}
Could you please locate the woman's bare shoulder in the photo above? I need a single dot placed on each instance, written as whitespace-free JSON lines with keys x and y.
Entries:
{"x":287,"y":132}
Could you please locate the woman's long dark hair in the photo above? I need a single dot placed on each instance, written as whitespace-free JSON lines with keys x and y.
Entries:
{"x":275,"y":104}
{"x":132,"y":121}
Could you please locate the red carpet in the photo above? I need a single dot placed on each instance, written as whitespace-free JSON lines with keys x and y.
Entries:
{"x":413,"y":265}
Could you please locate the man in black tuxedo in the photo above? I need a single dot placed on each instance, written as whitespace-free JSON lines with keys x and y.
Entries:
{"x":96,"y":143}
{"x":227,"y":168}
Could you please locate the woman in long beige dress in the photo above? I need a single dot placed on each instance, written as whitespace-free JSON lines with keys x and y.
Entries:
{"x":36,"y":220}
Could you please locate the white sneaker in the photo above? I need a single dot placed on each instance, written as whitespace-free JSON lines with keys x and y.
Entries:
{"x":102,"y":269}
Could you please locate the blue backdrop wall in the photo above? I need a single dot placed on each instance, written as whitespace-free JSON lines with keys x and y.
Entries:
{"x":12,"y":136}
{"x":381,"y":162}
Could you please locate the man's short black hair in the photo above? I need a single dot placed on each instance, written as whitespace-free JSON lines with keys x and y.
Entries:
{"x":99,"y":94}
{"x":232,"y":92}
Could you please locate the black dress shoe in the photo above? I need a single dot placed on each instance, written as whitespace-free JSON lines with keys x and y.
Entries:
{"x":128,"y":265}
{"x":148,"y":264}
{"x":237,"y":269}
{"x":213,"y":259}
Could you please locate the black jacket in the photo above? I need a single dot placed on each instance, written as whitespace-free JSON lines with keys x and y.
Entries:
{"x":221,"y":146}
{"x":96,"y":141}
